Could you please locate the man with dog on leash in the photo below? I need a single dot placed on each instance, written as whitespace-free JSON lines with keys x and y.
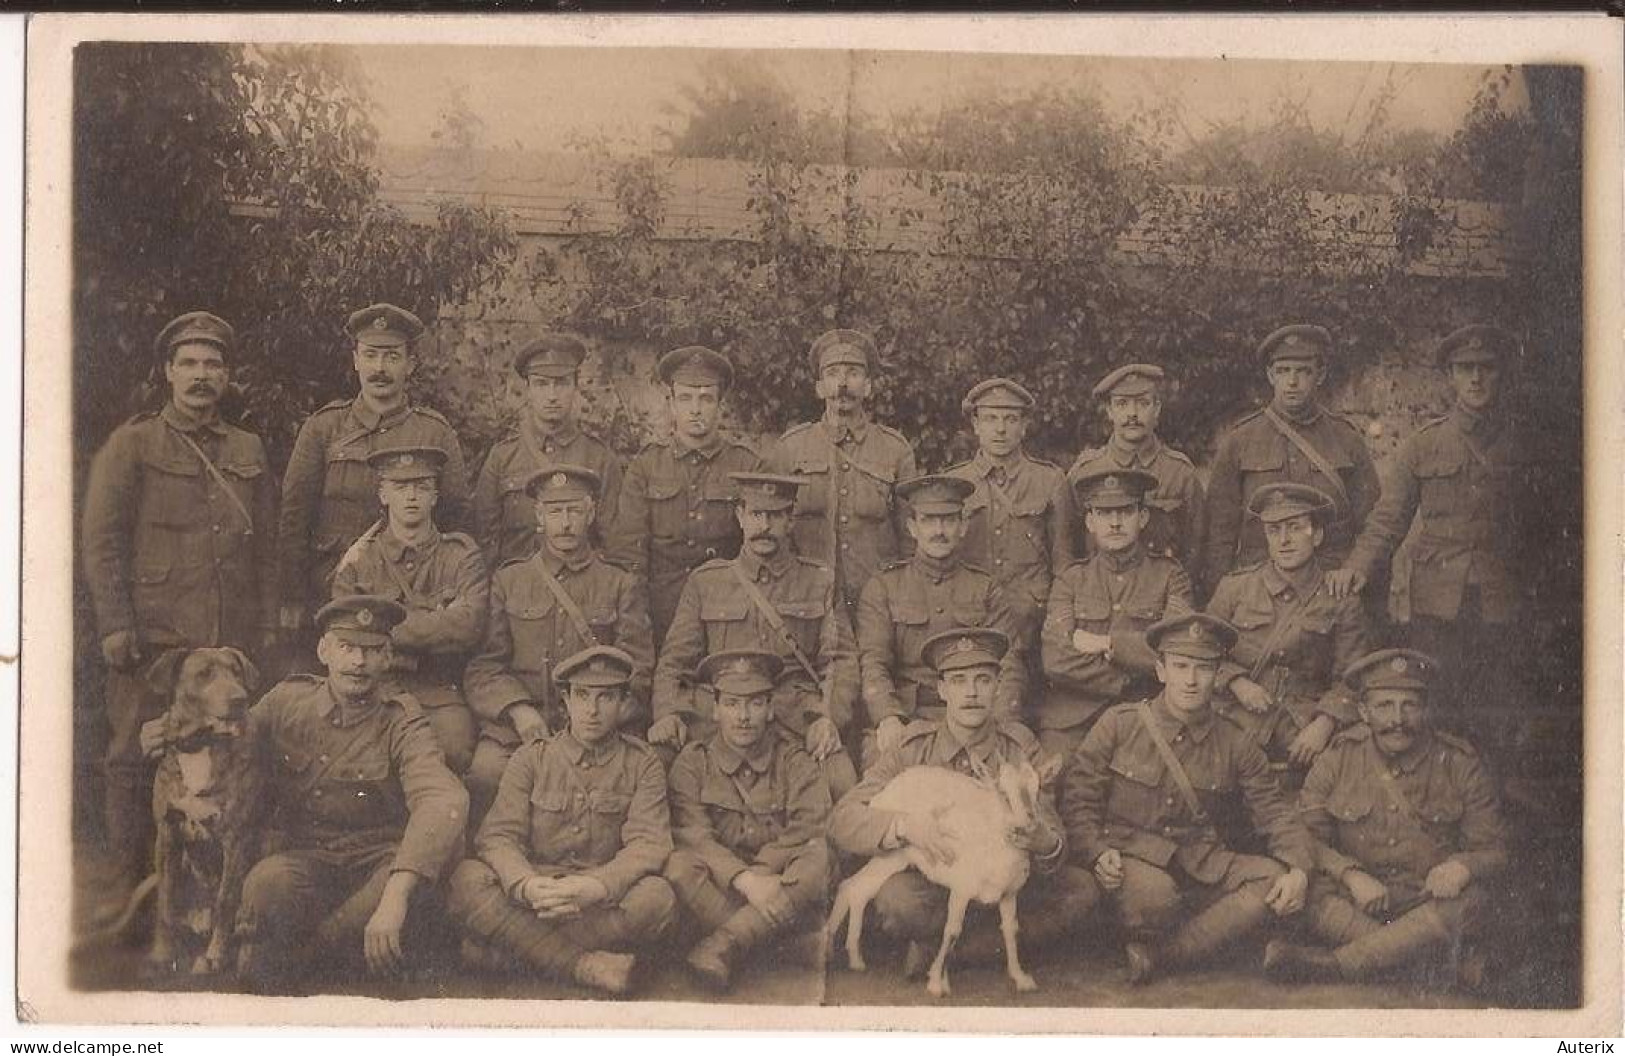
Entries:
{"x":971,"y":738}
{"x":362,"y":816}
{"x":438,"y":577}
{"x":1138,"y":798}
{"x":179,"y":538}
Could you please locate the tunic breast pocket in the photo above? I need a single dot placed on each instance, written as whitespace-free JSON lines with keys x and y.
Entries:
{"x":1353,"y":815}
{"x":608,"y":815}
{"x":347,"y":471}
{"x":813,"y":497}
{"x":359,"y":796}
{"x":531,"y":627}
{"x":172,"y":495}
{"x":871,"y":492}
{"x":1092,"y":613}
{"x":603,"y":623}
{"x":668,"y":509}
{"x":554,"y":833}
{"x":1027,"y":532}
{"x":910,"y":627}
{"x":724,"y":619}
{"x":1136,"y":794}
{"x":1261,"y":457}
{"x":1442,"y":478}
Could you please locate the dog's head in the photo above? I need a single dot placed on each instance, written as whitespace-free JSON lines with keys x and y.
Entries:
{"x":208,"y":692}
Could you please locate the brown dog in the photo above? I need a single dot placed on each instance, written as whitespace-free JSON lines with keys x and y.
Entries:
{"x":204,"y":799}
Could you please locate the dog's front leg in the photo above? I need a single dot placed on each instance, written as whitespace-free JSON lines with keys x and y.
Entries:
{"x":167,"y":856}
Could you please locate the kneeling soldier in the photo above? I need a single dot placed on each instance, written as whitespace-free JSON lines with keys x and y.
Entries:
{"x":1134,"y":813}
{"x":1407,"y":826}
{"x":968,"y":738}
{"x":438,"y":577}
{"x":749,"y":808}
{"x":361,"y":806}
{"x":570,"y":852}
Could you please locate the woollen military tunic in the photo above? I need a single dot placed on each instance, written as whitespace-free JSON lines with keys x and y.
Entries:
{"x":1254,"y":453}
{"x":505,"y":515}
{"x":715,"y":615}
{"x":1115,"y":594}
{"x":1018,"y":528}
{"x":330,"y":493}
{"x":676,"y":512}
{"x":354,"y":792}
{"x":847,"y":518}
{"x":442,"y":583}
{"x":1396,"y":819}
{"x":732,"y":810}
{"x":1177,"y":516}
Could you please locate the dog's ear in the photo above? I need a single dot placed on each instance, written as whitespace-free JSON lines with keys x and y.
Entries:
{"x":246,"y":669}
{"x":161,"y":675}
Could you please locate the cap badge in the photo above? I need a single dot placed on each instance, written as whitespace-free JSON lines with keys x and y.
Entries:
{"x":964,"y":645}
{"x":558,"y":480}
{"x":364,"y":617}
{"x":772,"y":490}
{"x":599,"y":667}
{"x":380,"y":323}
{"x":1400,"y":665}
{"x":1109,"y":482}
{"x":408,"y":459}
{"x":1196,"y":632}
{"x":740,"y":666}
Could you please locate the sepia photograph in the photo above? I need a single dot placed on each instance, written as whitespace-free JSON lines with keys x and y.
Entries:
{"x":820,"y":527}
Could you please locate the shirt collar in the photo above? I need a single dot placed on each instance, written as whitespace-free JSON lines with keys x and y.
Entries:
{"x":1304,"y":581}
{"x":947,"y":747}
{"x":1129,"y":456}
{"x":705,"y":452}
{"x":327,"y":703}
{"x":775,"y":566}
{"x":933,"y":568}
{"x":395,"y":549}
{"x":729,"y":759}
{"x":839,"y":431}
{"x":1474,"y":424}
{"x":1198,"y":727}
{"x":983,"y":466}
{"x":1310,"y":415}
{"x":555,"y":562}
{"x":172,"y":415}
{"x":363,"y":413}
{"x":563,"y":436}
{"x":1124,"y":560}
{"x":1411,"y":758}
{"x":578,"y":753}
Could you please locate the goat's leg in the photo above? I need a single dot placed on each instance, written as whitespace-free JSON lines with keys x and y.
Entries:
{"x":1012,"y":958}
{"x":857,"y":891}
{"x":936,"y":983}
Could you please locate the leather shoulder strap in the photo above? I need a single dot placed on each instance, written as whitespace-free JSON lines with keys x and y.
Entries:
{"x":219,"y":479}
{"x":1317,"y":459}
{"x":577,"y":618}
{"x":774,"y":620}
{"x":1187,"y":791}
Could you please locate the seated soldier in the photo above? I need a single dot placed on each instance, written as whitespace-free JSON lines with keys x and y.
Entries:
{"x":1094,"y":634}
{"x":969,"y":739}
{"x":1133,"y":812}
{"x":438,"y":577}
{"x":1293,"y":635}
{"x":1407,"y":828}
{"x":570,"y":852}
{"x":361,"y":808}
{"x":749,"y":807}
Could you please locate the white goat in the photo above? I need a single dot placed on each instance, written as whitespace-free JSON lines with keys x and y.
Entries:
{"x":975,"y":816}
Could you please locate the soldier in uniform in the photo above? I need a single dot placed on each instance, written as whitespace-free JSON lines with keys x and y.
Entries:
{"x":749,"y":809}
{"x":1019,"y":518}
{"x":1132,"y":396}
{"x":560,"y":600}
{"x":567,"y":879}
{"x":1138,"y":798}
{"x":766,"y":598}
{"x":1293,"y":440}
{"x":676,"y":507}
{"x":1094,"y":650}
{"x":1408,"y":832}
{"x":438,"y":577}
{"x":1294,"y":635}
{"x":363,"y":814}
{"x":179,"y":551}
{"x":1457,"y":474}
{"x":329,"y":496}
{"x":968,"y":737}
{"x":547,"y":434}
{"x":847,"y":518}
{"x":909,"y":601}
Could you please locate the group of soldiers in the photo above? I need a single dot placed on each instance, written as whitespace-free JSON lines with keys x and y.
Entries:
{"x":582,"y":710}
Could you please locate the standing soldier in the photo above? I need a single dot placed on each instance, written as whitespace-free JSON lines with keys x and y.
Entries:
{"x":970,"y":737}
{"x":1458,"y":475}
{"x":910,"y":601}
{"x":1408,"y":832}
{"x":543,"y":608}
{"x":1094,"y":648}
{"x":749,"y":809}
{"x":568,"y":875}
{"x":767,"y":598}
{"x":676,"y":507}
{"x":361,"y":808}
{"x":438,"y":578}
{"x":1133,"y":812}
{"x":329,"y":496}
{"x":547,"y":434}
{"x":1019,"y":518}
{"x":1293,"y":440}
{"x":1133,"y":396}
{"x":178,"y":535}
{"x":1294,"y":636}
{"x":847,"y":518}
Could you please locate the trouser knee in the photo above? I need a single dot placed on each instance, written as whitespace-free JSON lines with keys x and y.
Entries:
{"x":1252,"y":875}
{"x":456,"y":732}
{"x":813,"y":870}
{"x":650,"y":906}
{"x":471,"y":889}
{"x":1148,"y":899}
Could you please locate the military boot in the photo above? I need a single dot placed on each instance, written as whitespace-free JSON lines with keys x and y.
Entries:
{"x":1419,"y":931}
{"x":602,"y":970}
{"x":1142,"y":963}
{"x":714,"y":959}
{"x":1285,"y":962}
{"x":1211,"y":930}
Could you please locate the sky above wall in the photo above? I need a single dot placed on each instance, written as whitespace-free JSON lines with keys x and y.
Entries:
{"x":548,"y":99}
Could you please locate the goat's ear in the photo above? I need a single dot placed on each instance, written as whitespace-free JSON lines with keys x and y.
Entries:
{"x":161,"y":675}
{"x":245,"y":668}
{"x":1049,"y":768}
